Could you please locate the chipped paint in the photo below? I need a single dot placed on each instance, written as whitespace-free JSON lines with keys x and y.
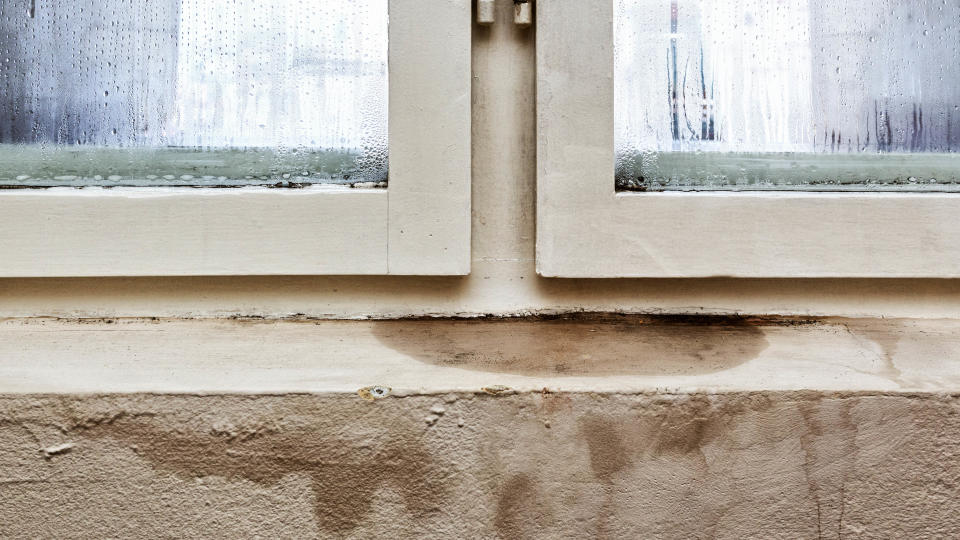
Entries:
{"x":373,"y":393}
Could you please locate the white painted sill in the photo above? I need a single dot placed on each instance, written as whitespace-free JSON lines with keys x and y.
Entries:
{"x":619,"y":354}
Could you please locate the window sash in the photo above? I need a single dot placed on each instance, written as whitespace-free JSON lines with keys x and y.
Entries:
{"x":586,"y":229}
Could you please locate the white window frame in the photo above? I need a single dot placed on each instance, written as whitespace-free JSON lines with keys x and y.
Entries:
{"x":418,"y":225}
{"x":586,"y":229}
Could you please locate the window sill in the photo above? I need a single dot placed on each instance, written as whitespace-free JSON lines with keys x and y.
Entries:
{"x":583,"y":353}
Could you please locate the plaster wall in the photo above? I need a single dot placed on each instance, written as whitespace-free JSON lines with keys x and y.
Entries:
{"x":538,"y":465}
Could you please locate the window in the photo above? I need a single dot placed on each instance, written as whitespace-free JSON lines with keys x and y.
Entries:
{"x":686,"y":138}
{"x":798,"y":95}
{"x":189,"y":137}
{"x":195,"y":92}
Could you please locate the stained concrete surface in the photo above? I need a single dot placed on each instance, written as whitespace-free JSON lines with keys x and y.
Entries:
{"x":531,"y":465}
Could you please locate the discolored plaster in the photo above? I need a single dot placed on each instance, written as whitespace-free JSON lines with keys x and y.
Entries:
{"x":520,"y":465}
{"x":520,"y":510}
{"x":346,"y":465}
{"x":582,"y":345}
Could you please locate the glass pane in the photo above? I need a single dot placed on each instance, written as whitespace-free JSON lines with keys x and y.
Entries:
{"x":788,"y":94}
{"x":192,"y":92}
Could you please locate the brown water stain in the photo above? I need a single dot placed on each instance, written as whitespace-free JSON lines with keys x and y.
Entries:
{"x":595,"y":345}
{"x":887,"y":335}
{"x":345,"y":472}
{"x":608,"y":453}
{"x":609,"y":456}
{"x":519,"y":512}
{"x":687,"y":431}
{"x":671,"y":431}
{"x":830,"y":452}
{"x":671,"y":426}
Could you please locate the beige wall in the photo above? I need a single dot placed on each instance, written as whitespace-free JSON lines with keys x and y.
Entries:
{"x":503,"y":279}
{"x":552,"y":466}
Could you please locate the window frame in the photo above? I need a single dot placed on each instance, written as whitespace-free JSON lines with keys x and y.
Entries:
{"x":418,"y":225}
{"x":585,"y":228}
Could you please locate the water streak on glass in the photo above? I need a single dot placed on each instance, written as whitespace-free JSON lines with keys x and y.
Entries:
{"x":192,"y":92}
{"x":788,"y":94}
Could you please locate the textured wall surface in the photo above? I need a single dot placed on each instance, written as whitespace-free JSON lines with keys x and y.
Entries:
{"x":536,"y":465}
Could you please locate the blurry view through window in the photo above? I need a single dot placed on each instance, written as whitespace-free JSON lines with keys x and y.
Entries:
{"x":192,"y":92}
{"x":787,"y":94}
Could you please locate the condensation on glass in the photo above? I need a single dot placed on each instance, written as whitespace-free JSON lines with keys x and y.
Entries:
{"x":192,"y":92}
{"x":853,"y":95}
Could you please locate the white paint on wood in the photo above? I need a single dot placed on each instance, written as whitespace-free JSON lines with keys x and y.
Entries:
{"x":420,"y":225}
{"x":183,"y":231}
{"x":430,"y":137}
{"x":585,"y":229}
